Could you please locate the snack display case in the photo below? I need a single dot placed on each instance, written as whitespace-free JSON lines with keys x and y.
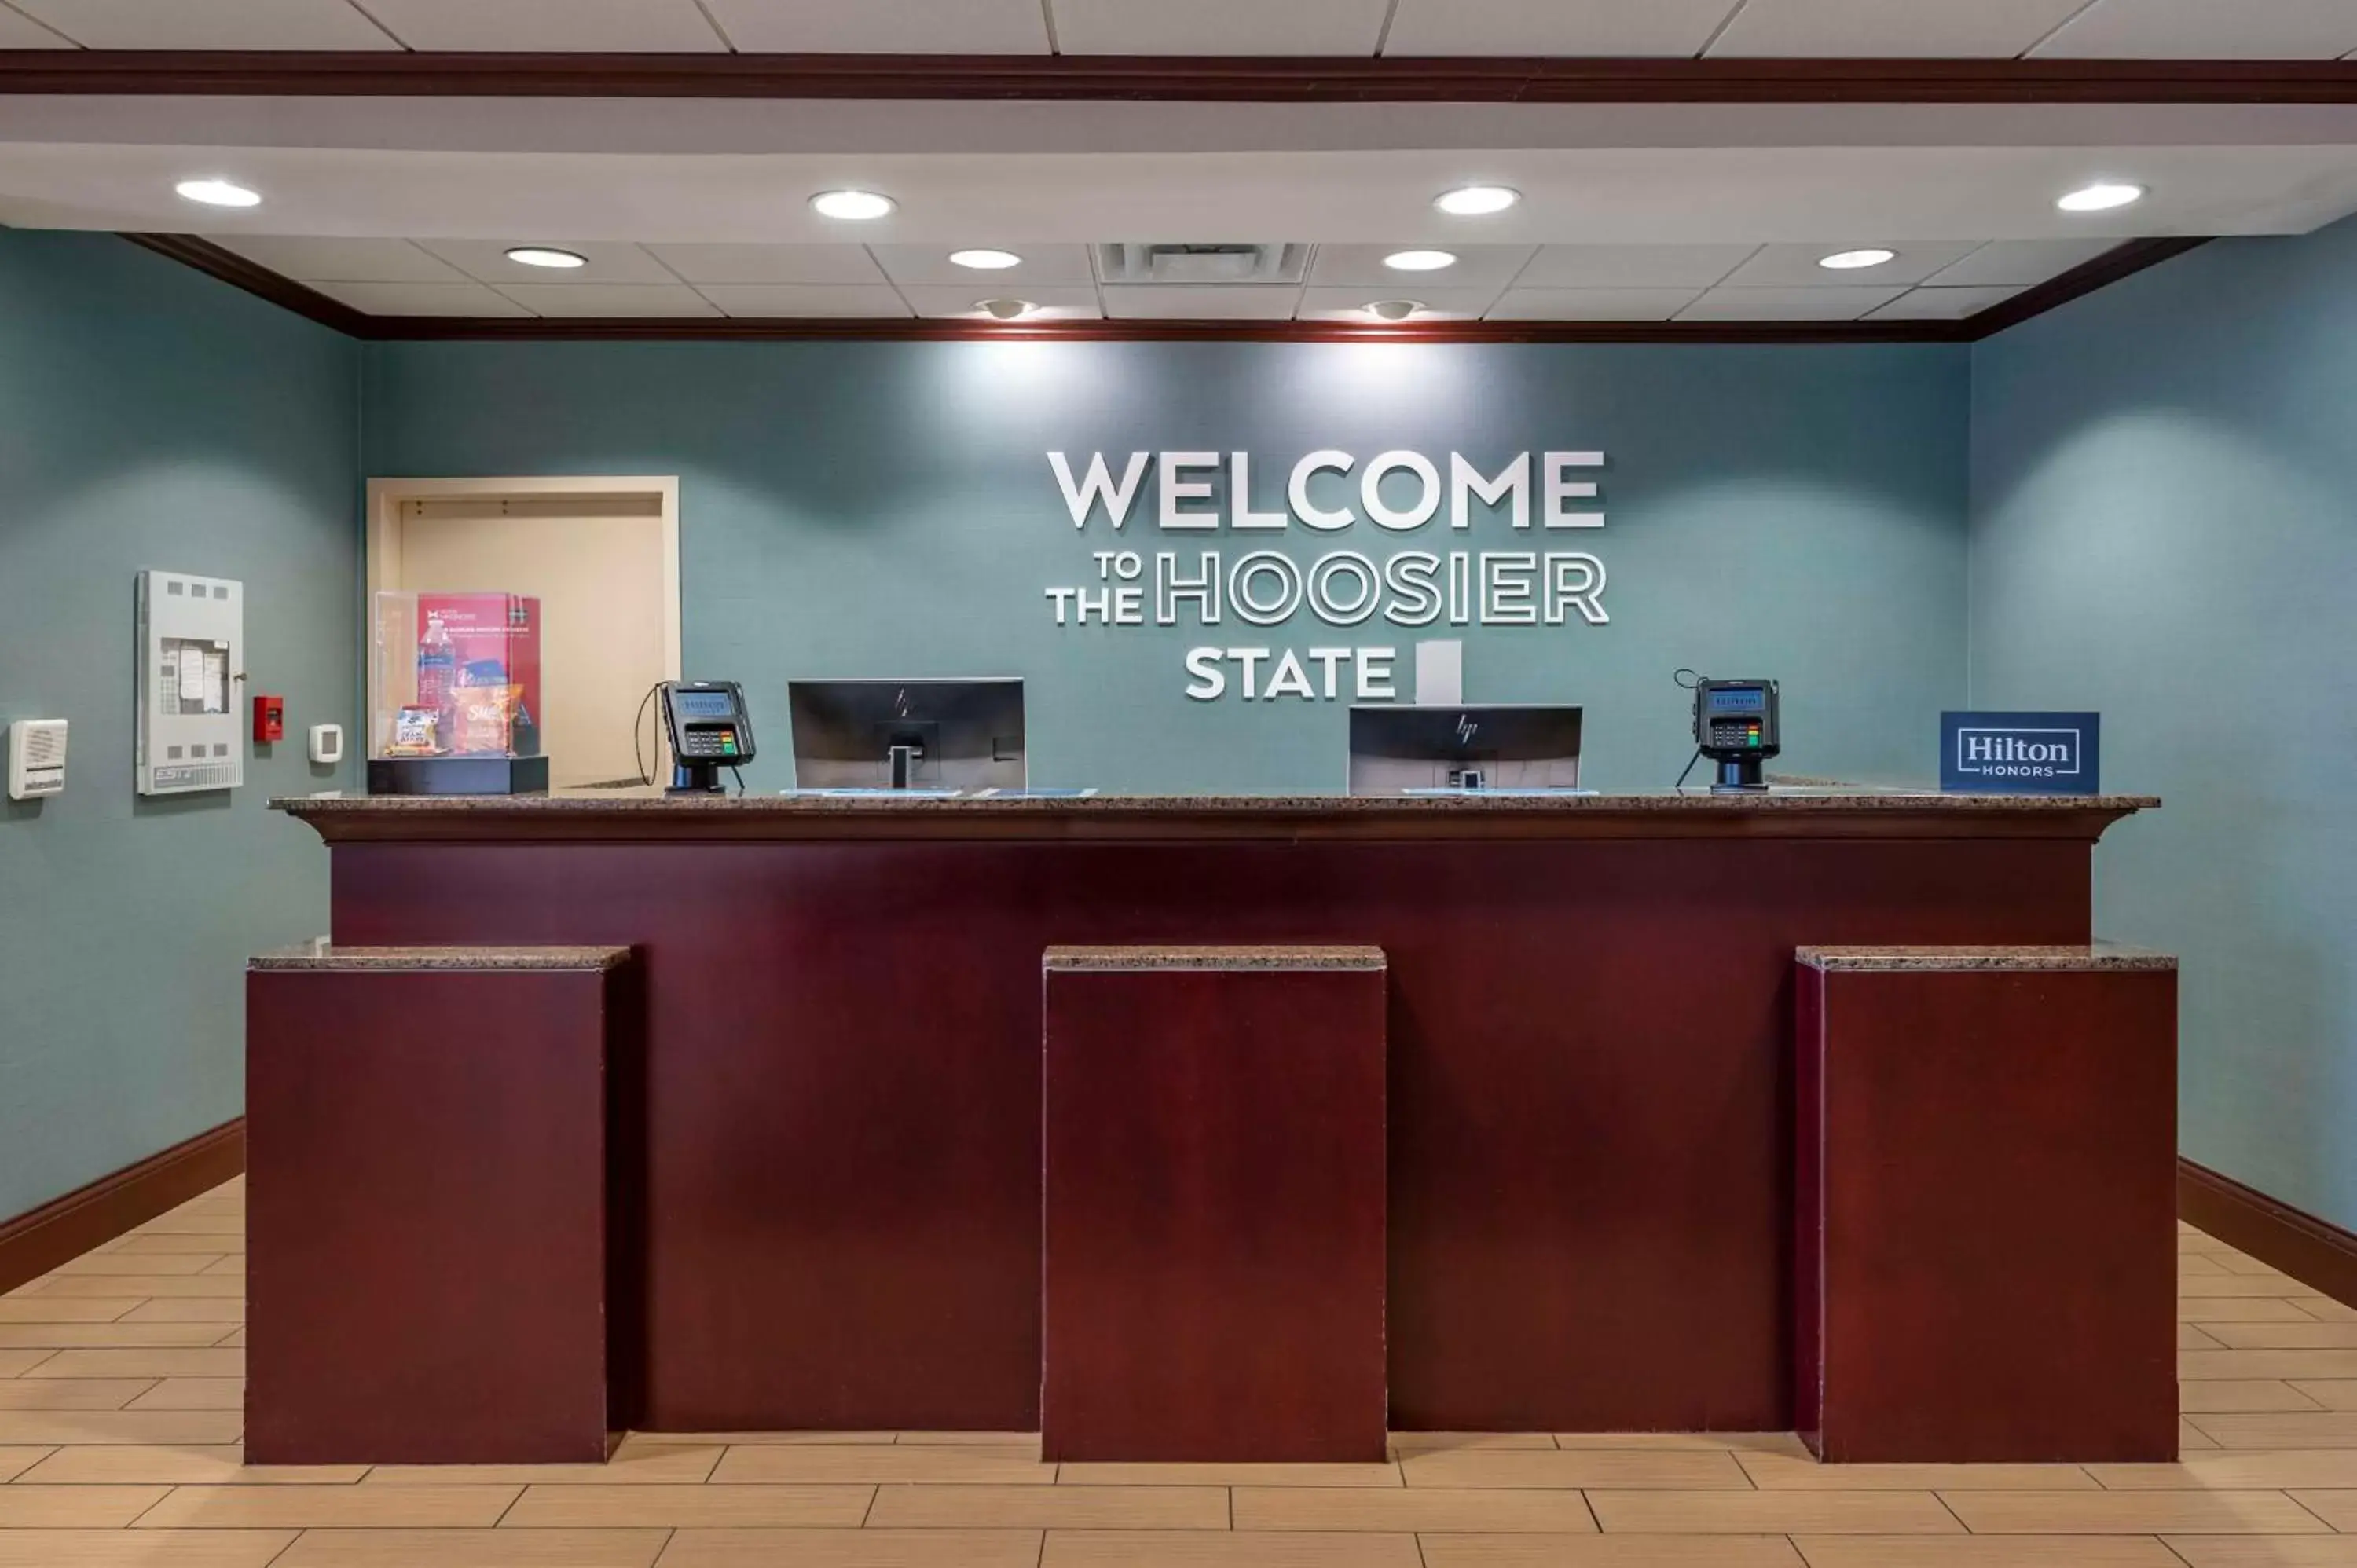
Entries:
{"x":454,"y":695}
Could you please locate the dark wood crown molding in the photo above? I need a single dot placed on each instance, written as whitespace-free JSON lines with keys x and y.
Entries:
{"x":1252,"y":79}
{"x":232,"y":268}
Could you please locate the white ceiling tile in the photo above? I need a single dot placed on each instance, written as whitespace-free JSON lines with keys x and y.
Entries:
{"x":768,"y":263}
{"x":650,"y":27}
{"x":1350,"y":304}
{"x":1842,"y":304}
{"x":1795,"y":266}
{"x":1201,"y":302}
{"x":883,"y":26}
{"x":1602,"y":28}
{"x":1219,"y":26}
{"x":1592,"y":304}
{"x":1942,"y":304}
{"x":1933,"y":28}
{"x":18,"y":31}
{"x":608,"y":300}
{"x":1477,"y":266}
{"x":1062,"y":303}
{"x":461,"y":298}
{"x":1631,"y":266}
{"x":609,"y":261}
{"x":2017,"y":263}
{"x":210,"y":24}
{"x":2208,"y":29}
{"x":308,"y":258}
{"x":793,"y":299}
{"x":1040,"y":265}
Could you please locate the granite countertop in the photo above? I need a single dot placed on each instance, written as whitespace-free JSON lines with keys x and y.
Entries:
{"x":320,"y":953}
{"x":2092,"y":955}
{"x":1116,"y":960}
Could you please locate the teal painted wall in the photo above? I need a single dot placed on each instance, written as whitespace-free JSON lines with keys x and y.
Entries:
{"x":2164,"y":528}
{"x":887,"y":509}
{"x":152,"y":417}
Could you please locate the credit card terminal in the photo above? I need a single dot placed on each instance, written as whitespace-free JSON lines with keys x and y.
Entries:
{"x":1735,"y":725}
{"x":709,"y":730}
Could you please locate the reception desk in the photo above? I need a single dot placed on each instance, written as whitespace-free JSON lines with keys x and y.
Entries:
{"x":1589,"y":1027}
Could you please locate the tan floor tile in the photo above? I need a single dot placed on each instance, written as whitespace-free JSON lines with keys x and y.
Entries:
{"x":186,"y":1309}
{"x":2191,"y":1337}
{"x":1030,"y":1440}
{"x":74,"y":1508}
{"x":2309,"y":1335}
{"x":142,"y":1549}
{"x":195,"y":1222}
{"x":1619,"y":1468}
{"x":199,"y":1426}
{"x":2192,"y":1439}
{"x":72,"y":1394}
{"x":2284,"y":1429}
{"x":190,"y":1393}
{"x":2327,"y":1310}
{"x":108,"y":1263}
{"x":146,"y":1363}
{"x":1450,"y":1441}
{"x":769,"y":1439}
{"x":1776,"y":1513}
{"x":1771,"y":1473}
{"x":120,"y":1336}
{"x":2222,"y":1470}
{"x":2197,"y":1262}
{"x":1483,"y":1510}
{"x":1609,"y":1551}
{"x":235,"y":1341}
{"x":178,"y":1242}
{"x":349,"y":1508}
{"x":2235,"y":1262}
{"x":2194,"y":1364}
{"x":475,"y":1548}
{"x":606,"y":1508}
{"x":844,"y":1548}
{"x":138,"y":1284}
{"x":2331,"y":1393}
{"x":15,"y":1462}
{"x":2238,"y":1284}
{"x":1217,"y":1475}
{"x":2266,"y":1550}
{"x":2337,"y":1508}
{"x":2132,"y":1513}
{"x":644,"y":1465}
{"x":1969,"y":1552}
{"x":13,"y":1363}
{"x":2243,"y":1309}
{"x":1220,"y":1548}
{"x":179,"y":1466}
{"x":2223,"y":1394}
{"x":233,"y":1264}
{"x":1051,"y":1507}
{"x":1707,"y":1442}
{"x":881,"y":1461}
{"x":69,"y":1308}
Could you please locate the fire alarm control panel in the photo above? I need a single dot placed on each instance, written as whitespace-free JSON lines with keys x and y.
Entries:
{"x":191,"y":647}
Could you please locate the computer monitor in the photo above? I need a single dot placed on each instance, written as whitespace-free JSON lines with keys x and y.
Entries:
{"x":1397,"y":748}
{"x":965,"y":734}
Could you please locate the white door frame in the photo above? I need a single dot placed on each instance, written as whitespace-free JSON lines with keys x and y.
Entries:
{"x":386,"y":497}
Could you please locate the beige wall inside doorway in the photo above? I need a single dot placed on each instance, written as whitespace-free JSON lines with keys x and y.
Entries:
{"x":601,"y":555}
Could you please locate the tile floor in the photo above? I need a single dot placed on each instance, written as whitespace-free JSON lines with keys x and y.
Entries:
{"x":120,"y":1388}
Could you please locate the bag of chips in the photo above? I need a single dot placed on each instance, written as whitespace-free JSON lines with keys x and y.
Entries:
{"x":486,"y":717}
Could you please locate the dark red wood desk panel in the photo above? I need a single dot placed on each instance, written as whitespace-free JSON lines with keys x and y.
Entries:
{"x":1590,"y":1088}
{"x":1213,"y":1280}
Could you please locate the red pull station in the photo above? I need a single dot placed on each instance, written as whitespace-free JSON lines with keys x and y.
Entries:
{"x":269,"y":718}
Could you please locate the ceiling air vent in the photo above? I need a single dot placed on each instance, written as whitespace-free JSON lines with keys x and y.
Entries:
{"x":1202,"y":263}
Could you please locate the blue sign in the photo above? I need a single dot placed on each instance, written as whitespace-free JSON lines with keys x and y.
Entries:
{"x":2021,"y":754}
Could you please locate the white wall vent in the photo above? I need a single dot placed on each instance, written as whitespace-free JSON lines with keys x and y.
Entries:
{"x":1238,"y":263}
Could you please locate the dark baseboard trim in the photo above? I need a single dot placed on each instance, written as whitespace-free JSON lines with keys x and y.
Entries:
{"x":1157,"y":78}
{"x":34,"y":1243}
{"x":216,"y":261}
{"x":2314,"y":1251}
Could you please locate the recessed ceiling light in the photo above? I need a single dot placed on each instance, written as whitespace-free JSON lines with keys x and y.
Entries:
{"x":1420,"y":261}
{"x":1850,"y":261}
{"x":986,"y":261}
{"x":2099,"y":197}
{"x":219,"y":193}
{"x":1475,"y":200}
{"x":852,"y":206}
{"x":1005,"y":309}
{"x":546,"y":256}
{"x":1394,"y":309}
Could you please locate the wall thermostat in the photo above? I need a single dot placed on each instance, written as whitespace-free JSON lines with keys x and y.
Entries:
{"x":37,"y":758}
{"x":327,"y":743}
{"x":191,"y":653}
